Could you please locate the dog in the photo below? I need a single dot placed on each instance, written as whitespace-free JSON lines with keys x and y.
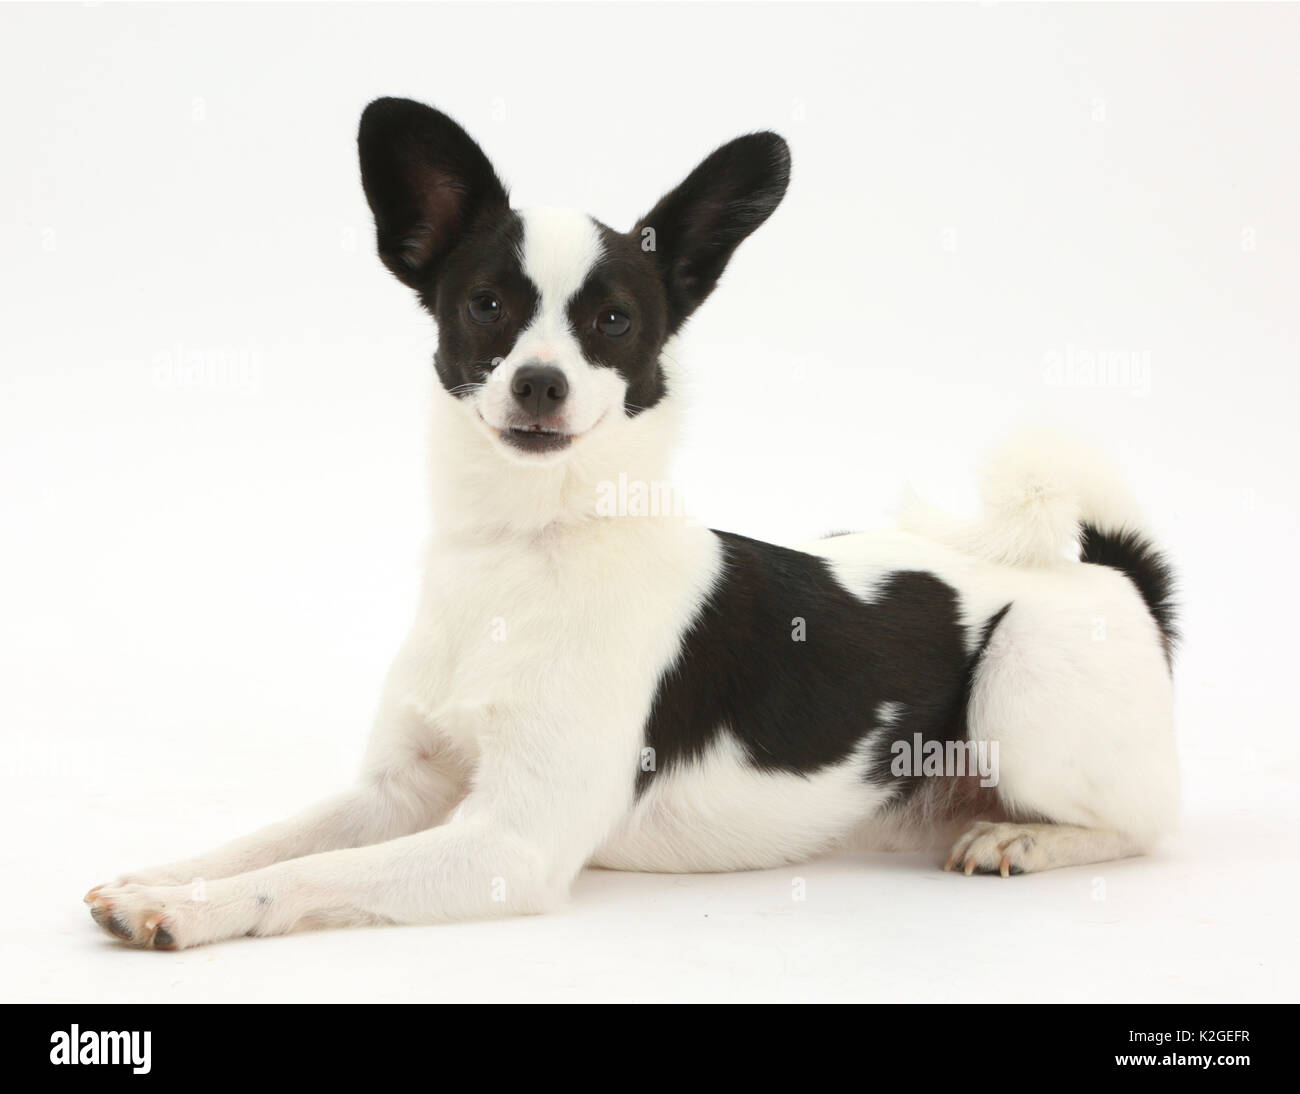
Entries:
{"x":632,"y":690}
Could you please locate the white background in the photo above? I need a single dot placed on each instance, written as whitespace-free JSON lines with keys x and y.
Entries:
{"x":212,"y":434}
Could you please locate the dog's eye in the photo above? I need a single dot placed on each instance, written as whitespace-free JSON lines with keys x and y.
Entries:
{"x":483,"y":307}
{"x":613,"y":322}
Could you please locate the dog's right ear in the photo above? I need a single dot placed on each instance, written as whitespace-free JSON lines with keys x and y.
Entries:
{"x":426,"y":182}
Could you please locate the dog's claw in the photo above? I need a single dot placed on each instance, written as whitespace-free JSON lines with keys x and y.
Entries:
{"x":160,"y":938}
{"x":102,"y":913}
{"x":1004,"y":848}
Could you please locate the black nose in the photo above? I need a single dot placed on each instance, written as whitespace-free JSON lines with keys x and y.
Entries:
{"x":539,"y":389}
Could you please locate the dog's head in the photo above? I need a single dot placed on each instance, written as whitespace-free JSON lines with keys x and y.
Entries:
{"x":550,"y":324}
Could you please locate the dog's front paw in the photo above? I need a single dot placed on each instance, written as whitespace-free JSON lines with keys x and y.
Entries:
{"x":151,"y":917}
{"x":178,"y":874}
{"x":991,"y":847}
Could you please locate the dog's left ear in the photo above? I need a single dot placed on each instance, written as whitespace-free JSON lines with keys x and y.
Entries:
{"x":694,"y":229}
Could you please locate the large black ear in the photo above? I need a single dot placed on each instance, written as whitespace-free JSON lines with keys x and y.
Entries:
{"x":426,"y":181}
{"x":695,"y":228}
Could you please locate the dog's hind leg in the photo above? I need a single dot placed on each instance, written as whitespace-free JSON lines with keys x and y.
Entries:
{"x":1073,"y":696}
{"x":1073,"y":687}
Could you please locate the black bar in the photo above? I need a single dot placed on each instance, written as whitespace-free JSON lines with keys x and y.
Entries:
{"x":207,"y":1042}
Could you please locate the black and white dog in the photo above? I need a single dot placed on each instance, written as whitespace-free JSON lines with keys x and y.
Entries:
{"x":635,"y":691}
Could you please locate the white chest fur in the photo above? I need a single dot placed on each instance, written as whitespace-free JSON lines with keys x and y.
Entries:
{"x":560,"y":626}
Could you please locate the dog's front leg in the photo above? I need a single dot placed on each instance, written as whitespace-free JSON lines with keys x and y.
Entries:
{"x":385,"y":803}
{"x":540,"y":807}
{"x":410,"y":780}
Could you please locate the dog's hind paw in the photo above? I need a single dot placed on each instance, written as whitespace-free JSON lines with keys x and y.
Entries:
{"x":990,"y":847}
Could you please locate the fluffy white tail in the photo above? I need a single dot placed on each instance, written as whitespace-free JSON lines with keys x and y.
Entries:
{"x":1038,"y":492}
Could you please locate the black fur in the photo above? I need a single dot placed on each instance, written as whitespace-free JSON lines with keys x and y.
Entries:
{"x":1138,"y":559}
{"x":427,"y":183}
{"x":625,"y":278}
{"x":799,"y":706}
{"x":487,"y":261}
{"x":698,"y":225}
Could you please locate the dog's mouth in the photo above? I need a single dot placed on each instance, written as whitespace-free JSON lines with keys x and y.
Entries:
{"x":536,"y":438}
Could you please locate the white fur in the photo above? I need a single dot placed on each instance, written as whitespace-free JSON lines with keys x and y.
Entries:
{"x":722,"y":813}
{"x":1038,"y":488}
{"x":503,"y":756}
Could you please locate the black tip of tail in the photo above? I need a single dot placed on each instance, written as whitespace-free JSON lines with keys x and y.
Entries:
{"x":1138,"y":559}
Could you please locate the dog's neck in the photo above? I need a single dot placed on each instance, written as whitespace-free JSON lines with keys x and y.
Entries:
{"x":481,"y":494}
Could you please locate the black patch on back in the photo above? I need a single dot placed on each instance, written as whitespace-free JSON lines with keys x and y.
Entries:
{"x":1138,"y":559}
{"x":799,"y":706}
{"x":951,"y":723}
